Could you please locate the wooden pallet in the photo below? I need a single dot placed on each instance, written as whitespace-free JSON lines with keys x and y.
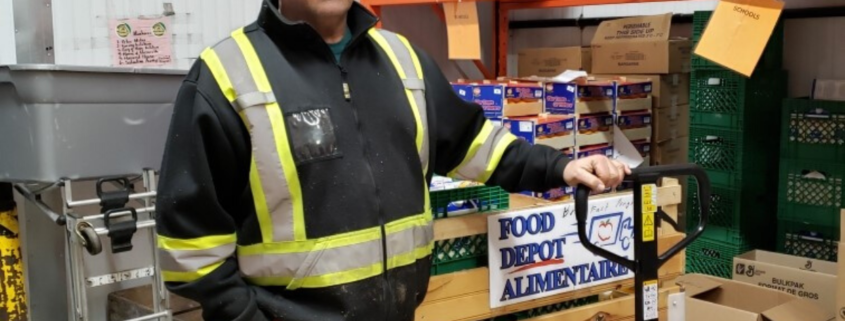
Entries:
{"x":464,"y":296}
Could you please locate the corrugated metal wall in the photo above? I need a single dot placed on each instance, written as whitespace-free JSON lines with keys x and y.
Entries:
{"x":7,"y":33}
{"x":81,"y":26}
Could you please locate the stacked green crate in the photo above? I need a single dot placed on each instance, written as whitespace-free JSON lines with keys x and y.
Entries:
{"x":734,"y":136}
{"x":812,"y":178}
{"x":468,"y":252}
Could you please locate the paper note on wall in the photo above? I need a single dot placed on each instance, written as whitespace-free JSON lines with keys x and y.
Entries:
{"x":141,"y":42}
{"x":738,"y":33}
{"x":462,"y":30}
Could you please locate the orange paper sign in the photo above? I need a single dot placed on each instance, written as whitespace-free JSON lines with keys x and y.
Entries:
{"x":462,"y":29}
{"x":738,"y":33}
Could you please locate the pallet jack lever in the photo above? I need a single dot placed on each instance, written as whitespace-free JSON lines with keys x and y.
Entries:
{"x":647,"y":261}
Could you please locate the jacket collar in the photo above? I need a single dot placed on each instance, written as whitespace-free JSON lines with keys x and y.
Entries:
{"x":281,"y":29}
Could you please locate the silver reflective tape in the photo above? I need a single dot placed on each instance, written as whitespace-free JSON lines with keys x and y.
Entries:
{"x":236,"y":67}
{"x":314,"y":263}
{"x":193,"y":260}
{"x":254,"y":99}
{"x":270,"y":170}
{"x":413,"y":82}
{"x":477,"y":166}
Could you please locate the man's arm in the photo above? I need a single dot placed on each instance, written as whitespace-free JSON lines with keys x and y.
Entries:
{"x":200,"y":185}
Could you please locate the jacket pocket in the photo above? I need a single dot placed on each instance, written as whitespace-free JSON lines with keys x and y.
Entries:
{"x":312,"y":135}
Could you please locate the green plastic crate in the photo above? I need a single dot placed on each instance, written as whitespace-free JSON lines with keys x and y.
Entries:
{"x":459,"y":254}
{"x":808,"y":240}
{"x":813,"y":129}
{"x":811,"y":191}
{"x":730,"y":158}
{"x":713,"y":258}
{"x":483,"y":198}
{"x":772,"y":57}
{"x":536,"y":312}
{"x":736,"y":216}
{"x":726,"y":99}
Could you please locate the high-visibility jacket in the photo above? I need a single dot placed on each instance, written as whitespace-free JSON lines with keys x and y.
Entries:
{"x":296,"y":187}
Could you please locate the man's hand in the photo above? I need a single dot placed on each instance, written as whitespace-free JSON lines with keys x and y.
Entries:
{"x":597,"y":172}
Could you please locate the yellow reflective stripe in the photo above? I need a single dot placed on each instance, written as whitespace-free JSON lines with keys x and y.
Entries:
{"x":200,"y":243}
{"x":498,"y":152}
{"x":402,"y":75}
{"x":321,"y":281}
{"x":333,"y":241}
{"x":279,"y":133}
{"x":172,"y":276}
{"x":414,"y":57}
{"x":405,"y":223}
{"x":213,"y":62}
{"x":479,"y":140}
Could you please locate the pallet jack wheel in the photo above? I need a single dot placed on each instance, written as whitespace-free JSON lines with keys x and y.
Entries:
{"x":89,"y":238}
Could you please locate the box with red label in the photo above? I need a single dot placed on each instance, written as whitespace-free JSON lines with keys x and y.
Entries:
{"x":556,"y":131}
{"x":587,"y":151}
{"x":635,"y":125}
{"x":508,"y":98}
{"x":594,"y":129}
{"x":561,"y":98}
{"x":595,"y":96}
{"x":633,"y":94}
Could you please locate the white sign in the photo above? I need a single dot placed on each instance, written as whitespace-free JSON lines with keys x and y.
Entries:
{"x":536,"y":253}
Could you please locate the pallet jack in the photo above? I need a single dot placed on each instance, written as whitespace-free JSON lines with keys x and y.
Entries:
{"x":647,"y":261}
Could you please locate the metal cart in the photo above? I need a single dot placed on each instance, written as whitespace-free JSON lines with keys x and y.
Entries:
{"x":65,"y":127}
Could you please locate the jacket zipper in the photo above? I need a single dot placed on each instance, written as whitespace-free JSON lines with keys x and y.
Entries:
{"x":347,"y":94}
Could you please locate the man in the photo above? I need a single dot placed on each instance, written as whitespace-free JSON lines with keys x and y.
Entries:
{"x":294,"y":181}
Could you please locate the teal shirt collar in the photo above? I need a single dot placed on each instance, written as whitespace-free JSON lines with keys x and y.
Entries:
{"x":337,"y":48}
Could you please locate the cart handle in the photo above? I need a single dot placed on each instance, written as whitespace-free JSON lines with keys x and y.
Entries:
{"x":582,"y":194}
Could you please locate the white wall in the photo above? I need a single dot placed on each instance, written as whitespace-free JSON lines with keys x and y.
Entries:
{"x":81,"y":32}
{"x":7,"y":33}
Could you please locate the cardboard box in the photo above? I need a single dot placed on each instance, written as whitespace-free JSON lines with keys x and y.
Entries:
{"x":463,"y":90}
{"x":827,"y":89}
{"x":640,"y":45}
{"x":671,"y":123}
{"x":508,"y":99}
{"x":587,"y":151}
{"x":595,"y":96}
{"x":633,"y":94}
{"x":710,"y":298}
{"x":673,"y":151}
{"x":560,"y":98}
{"x":556,"y":131}
{"x":666,"y":91}
{"x":805,"y":278}
{"x":636,"y":125}
{"x":738,"y":32}
{"x":594,"y":129}
{"x":550,"y":62}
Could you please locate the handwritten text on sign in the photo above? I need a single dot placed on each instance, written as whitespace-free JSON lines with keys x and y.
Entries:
{"x":141,"y":42}
{"x":536,"y":253}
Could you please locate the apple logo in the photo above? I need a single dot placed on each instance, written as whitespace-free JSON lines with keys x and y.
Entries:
{"x":605,"y":231}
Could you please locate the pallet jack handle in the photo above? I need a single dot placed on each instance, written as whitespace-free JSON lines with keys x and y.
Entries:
{"x":646,"y":261}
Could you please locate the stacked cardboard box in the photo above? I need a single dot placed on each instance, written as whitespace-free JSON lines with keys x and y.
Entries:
{"x":550,"y":62}
{"x":639,"y":49}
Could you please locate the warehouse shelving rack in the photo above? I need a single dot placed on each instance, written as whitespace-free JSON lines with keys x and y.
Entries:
{"x":502,"y":12}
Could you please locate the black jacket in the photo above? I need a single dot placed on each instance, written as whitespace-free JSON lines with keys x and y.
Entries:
{"x":204,"y":184}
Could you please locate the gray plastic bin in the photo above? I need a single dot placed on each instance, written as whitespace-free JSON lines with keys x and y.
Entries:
{"x":82,"y":122}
